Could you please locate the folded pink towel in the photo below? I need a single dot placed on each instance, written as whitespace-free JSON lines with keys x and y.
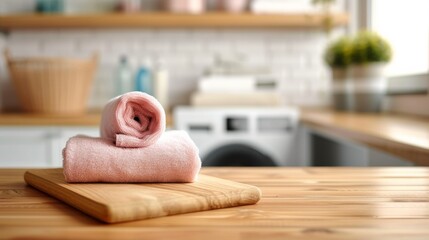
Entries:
{"x":173,"y":158}
{"x":134,"y":119}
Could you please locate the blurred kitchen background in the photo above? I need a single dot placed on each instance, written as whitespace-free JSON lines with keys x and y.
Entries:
{"x":237,"y":75}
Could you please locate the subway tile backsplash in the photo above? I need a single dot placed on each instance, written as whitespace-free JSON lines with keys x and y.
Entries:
{"x":295,"y":55}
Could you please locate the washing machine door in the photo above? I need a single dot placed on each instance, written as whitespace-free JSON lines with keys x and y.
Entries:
{"x":237,"y":155}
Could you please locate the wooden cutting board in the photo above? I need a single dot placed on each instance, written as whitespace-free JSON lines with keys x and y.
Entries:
{"x":126,"y":202}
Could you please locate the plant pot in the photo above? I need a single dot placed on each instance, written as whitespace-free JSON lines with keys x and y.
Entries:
{"x":341,"y":95}
{"x":368,"y":87}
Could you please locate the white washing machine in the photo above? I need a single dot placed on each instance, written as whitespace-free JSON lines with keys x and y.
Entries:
{"x":241,"y":136}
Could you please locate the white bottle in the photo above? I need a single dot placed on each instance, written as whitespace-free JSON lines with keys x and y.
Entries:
{"x":160,"y":80}
{"x":124,"y":77}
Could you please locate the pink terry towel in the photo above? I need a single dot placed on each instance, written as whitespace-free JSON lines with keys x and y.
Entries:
{"x":134,"y":119}
{"x":173,"y":158}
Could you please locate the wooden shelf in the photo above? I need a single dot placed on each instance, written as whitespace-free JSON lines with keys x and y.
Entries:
{"x":168,"y":20}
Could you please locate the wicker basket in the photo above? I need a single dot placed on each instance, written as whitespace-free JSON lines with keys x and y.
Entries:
{"x":52,"y":85}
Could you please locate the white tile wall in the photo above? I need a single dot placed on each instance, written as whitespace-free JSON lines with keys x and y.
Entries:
{"x":293,"y":54}
{"x":17,"y":6}
{"x":3,"y":71}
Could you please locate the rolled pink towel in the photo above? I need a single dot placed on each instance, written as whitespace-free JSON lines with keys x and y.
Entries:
{"x":134,"y":119}
{"x":173,"y":158}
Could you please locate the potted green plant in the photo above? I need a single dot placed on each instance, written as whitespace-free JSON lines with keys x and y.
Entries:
{"x":338,"y":57}
{"x":369,"y":56}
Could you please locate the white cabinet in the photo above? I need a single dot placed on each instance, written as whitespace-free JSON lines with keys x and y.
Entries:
{"x":330,"y":150}
{"x":21,"y":147}
{"x":37,"y":146}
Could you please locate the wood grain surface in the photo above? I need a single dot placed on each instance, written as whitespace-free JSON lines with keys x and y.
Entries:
{"x":113,"y":203}
{"x":402,"y":135}
{"x":296,"y":203}
{"x":168,"y":20}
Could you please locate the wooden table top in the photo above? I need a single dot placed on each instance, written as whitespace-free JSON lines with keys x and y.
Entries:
{"x":401,"y":135}
{"x":297,"y":203}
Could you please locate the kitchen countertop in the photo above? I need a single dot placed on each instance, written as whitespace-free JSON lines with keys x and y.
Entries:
{"x":297,"y":203}
{"x":401,"y":135}
{"x":32,"y":119}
